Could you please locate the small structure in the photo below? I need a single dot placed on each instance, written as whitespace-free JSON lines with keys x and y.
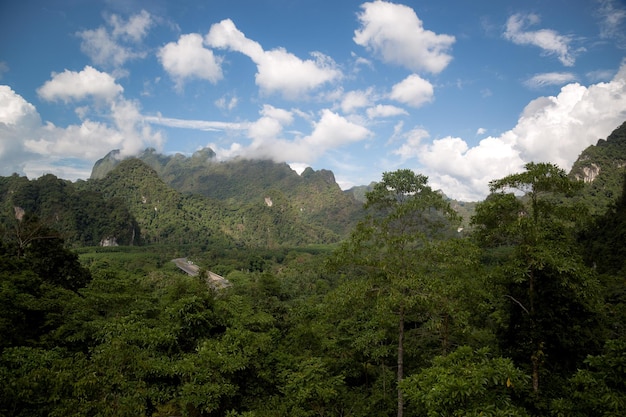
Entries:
{"x":212,"y":279}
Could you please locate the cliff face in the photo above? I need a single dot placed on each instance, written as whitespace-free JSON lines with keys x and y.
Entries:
{"x":601,"y":167}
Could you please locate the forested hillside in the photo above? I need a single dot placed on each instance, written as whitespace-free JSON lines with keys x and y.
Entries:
{"x":522,"y":314}
{"x":81,"y":215}
{"x":312,"y":197}
{"x":168,"y":216}
{"x":601,"y":167}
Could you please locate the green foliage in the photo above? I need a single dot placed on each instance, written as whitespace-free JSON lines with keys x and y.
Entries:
{"x":599,"y":389}
{"x":306,"y":208}
{"x":457,"y":326}
{"x":605,"y":238}
{"x":553,"y":300}
{"x":391,"y":257}
{"x":467,"y":382}
{"x":81,"y":216}
{"x":602,"y":169}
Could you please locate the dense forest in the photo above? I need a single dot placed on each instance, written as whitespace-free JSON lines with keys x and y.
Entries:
{"x":409,"y":314}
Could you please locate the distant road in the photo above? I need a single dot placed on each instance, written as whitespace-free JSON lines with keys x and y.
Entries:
{"x":193,"y":270}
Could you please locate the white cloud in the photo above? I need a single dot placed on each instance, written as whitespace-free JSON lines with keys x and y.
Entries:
{"x":71,"y":85}
{"x":551,"y":129}
{"x":612,"y":21}
{"x":285,"y":117}
{"x":550,"y":41}
{"x":110,"y":47}
{"x":14,"y":110}
{"x":410,"y":148}
{"x":600,"y":75}
{"x":413,"y":90}
{"x":278,"y":71}
{"x":481,"y":131}
{"x":205,"y":125}
{"x":385,"y":110}
{"x":135,"y":28}
{"x":18,"y":118}
{"x":30,"y":146}
{"x":353,"y":100}
{"x":125,"y":130}
{"x":4,"y":67}
{"x":188,"y":58}
{"x":226,"y":103}
{"x":550,"y":78}
{"x":330,"y":132}
{"x":395,"y":34}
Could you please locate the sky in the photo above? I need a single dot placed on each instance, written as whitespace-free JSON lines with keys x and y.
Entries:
{"x":463,"y":92}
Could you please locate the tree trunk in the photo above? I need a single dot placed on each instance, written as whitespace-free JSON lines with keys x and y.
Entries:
{"x":446,"y":327}
{"x":535,"y":357}
{"x":400,"y":361}
{"x":535,"y":363}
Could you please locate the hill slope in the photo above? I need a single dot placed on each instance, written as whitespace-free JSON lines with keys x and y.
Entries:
{"x":166,"y":215}
{"x":602,"y":168}
{"x":313,"y":197}
{"x":82,"y":216}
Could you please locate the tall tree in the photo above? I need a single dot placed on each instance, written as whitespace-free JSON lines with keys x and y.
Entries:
{"x":392,"y":252}
{"x":551,"y":297}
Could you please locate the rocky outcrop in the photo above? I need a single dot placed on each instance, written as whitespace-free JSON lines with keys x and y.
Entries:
{"x":589,"y":173}
{"x":109,"y":241}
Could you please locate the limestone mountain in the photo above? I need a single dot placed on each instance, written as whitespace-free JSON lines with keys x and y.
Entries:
{"x":313,"y":197}
{"x":80,"y":215}
{"x":167,"y":216}
{"x":602,"y":168}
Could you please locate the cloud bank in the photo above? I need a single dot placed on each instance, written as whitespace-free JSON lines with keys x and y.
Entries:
{"x":106,"y":121}
{"x":551,"y":129}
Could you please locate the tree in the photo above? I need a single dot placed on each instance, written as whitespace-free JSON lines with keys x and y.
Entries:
{"x":551,"y":297}
{"x":599,"y":388}
{"x":467,"y":383}
{"x":391,"y":253}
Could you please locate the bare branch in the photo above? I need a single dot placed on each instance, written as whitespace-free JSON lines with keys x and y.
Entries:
{"x":518,"y":303}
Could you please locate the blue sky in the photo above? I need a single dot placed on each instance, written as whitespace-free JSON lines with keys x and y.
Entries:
{"x":463,"y":92}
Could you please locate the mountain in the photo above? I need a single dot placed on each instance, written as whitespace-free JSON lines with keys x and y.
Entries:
{"x":168,"y":216}
{"x":602,"y":167}
{"x":314,"y":197}
{"x":81,"y":215}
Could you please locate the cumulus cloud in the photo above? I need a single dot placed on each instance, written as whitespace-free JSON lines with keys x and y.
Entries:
{"x":17,"y":119}
{"x":115,"y":45}
{"x":134,"y":29}
{"x":70,"y":85}
{"x":278,"y":71}
{"x":551,"y":129}
{"x":356,"y":99}
{"x":550,"y":78}
{"x":32,"y":147}
{"x":188,"y":58}
{"x":330,"y":132}
{"x":283,"y":116}
{"x":395,"y":34}
{"x":550,"y":41}
{"x":385,"y":110}
{"x":413,"y":90}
